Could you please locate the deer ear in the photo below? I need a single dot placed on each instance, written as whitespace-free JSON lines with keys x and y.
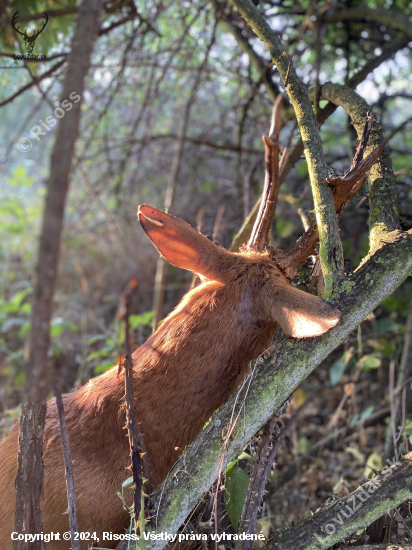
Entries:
{"x":182,"y":245}
{"x":302,"y":315}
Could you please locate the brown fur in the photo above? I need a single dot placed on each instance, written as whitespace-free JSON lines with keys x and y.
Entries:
{"x":182,"y":374}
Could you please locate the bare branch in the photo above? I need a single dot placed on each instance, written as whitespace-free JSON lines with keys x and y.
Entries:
{"x":68,"y":465}
{"x":36,"y":79}
{"x":387,"y":17}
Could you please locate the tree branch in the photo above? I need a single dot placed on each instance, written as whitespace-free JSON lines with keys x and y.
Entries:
{"x":35,"y":81}
{"x":389,"y":18}
{"x":343,"y":517}
{"x":275,"y":379}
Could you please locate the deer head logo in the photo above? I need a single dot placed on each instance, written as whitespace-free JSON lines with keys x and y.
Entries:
{"x":28,"y":40}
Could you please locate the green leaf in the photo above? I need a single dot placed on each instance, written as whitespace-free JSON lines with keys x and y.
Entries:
{"x":369,"y":362}
{"x":127,"y":483}
{"x":408,"y":429}
{"x":367,"y":412}
{"x":103,"y":367}
{"x":337,"y":369}
{"x":246,"y":456}
{"x":96,"y":338}
{"x":144,"y":319}
{"x":303,"y":444}
{"x":236,"y":487}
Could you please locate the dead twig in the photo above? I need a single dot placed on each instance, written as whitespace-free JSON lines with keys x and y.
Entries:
{"x":137,"y":446}
{"x":68,"y":465}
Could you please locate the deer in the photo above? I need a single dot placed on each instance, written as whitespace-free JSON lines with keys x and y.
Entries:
{"x":185,"y":370}
{"x":29,"y":40}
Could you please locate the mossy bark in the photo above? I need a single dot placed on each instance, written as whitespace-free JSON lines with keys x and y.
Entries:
{"x":354,"y":512}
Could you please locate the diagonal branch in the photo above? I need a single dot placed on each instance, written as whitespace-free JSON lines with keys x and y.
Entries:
{"x":331,"y":255}
{"x":274,"y":380}
{"x":343,"y":517}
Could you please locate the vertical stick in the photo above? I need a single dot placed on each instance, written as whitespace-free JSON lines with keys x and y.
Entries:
{"x":68,"y":464}
{"x":131,"y":416}
{"x":136,"y":440}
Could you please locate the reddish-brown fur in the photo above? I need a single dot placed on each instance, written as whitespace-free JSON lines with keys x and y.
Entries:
{"x":182,"y":374}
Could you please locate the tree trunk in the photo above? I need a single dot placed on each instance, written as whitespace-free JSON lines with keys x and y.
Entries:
{"x":29,"y":480}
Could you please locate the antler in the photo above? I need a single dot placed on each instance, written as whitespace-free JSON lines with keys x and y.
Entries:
{"x":259,"y":238}
{"x":13,"y":22}
{"x":346,"y":188}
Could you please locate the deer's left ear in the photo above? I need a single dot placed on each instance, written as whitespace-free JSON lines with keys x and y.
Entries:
{"x":185,"y":247}
{"x":302,"y":315}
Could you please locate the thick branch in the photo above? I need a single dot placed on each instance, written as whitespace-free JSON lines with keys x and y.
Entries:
{"x":383,"y":195}
{"x":273,"y":382}
{"x":343,"y":517}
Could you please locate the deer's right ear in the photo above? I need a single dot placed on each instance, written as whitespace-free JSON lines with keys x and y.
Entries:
{"x":182,"y":245}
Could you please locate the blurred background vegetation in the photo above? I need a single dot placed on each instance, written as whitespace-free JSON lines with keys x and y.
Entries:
{"x":176,"y":101}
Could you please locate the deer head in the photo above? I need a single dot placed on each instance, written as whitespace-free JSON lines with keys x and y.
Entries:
{"x":28,"y":40}
{"x":251,"y":276}
{"x":253,"y":271}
